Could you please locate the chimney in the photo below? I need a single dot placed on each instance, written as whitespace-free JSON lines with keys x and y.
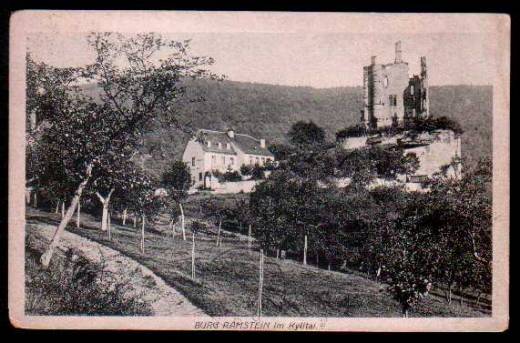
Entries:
{"x":231,"y":133}
{"x":373,"y":60}
{"x":262,"y":143}
{"x":398,"y":57}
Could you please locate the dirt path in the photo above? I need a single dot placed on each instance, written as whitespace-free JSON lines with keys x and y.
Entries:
{"x":163,"y":299}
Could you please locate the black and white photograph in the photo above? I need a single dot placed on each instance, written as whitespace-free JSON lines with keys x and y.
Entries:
{"x":259,"y":171}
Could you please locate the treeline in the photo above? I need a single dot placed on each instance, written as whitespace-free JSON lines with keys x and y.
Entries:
{"x":269,"y":111}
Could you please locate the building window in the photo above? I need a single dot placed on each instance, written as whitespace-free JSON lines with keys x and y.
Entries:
{"x":231,"y":160}
{"x":393,"y":100}
{"x":209,"y":144}
{"x":224,"y":160}
{"x":385,"y":81}
{"x":200,"y":176}
{"x":219,"y":145}
{"x":193,"y":161}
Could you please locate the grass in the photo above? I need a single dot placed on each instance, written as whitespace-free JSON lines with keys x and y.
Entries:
{"x":226,"y":281}
{"x":73,"y":286}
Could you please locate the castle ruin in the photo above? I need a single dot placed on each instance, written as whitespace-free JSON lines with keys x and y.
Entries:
{"x":390,"y":96}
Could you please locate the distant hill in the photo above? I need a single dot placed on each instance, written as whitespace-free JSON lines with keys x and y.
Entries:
{"x":268,"y":111}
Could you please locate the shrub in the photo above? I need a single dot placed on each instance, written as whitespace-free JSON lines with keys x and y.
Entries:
{"x":246,"y":169}
{"x":232,"y":176}
{"x":257,"y":173}
{"x":199,"y":227}
{"x":74,"y":286}
{"x":351,"y":131}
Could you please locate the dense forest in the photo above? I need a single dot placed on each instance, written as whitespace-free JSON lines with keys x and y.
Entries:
{"x":268,"y":111}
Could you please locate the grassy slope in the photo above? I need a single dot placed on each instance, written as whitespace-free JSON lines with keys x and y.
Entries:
{"x":268,"y":111}
{"x":227,"y":277}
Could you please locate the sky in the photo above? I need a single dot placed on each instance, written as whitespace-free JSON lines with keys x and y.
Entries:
{"x":312,"y":57}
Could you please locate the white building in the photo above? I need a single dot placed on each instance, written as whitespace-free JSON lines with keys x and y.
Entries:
{"x":209,"y":151}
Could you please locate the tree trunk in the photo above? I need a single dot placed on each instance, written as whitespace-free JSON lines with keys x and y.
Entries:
{"x":305,"y":250}
{"x":125,"y":213}
{"x":46,"y":257}
{"x":109,"y":226}
{"x":28,"y":197}
{"x":78,"y":214}
{"x":104,"y":217}
{"x":218,"y":232}
{"x":57,"y":206}
{"x":317,"y":259}
{"x":35,"y":199}
{"x":142,"y":234}
{"x":182,"y":222}
{"x":277,"y":253}
{"x":135,"y":220}
{"x":105,"y":202}
{"x":63,"y":209}
{"x":328,"y":267}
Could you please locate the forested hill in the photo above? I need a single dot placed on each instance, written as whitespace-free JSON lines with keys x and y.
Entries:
{"x":268,"y":111}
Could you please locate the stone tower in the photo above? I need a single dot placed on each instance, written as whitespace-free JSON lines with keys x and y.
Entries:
{"x":390,"y":96}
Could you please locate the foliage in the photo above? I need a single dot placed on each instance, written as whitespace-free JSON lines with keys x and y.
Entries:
{"x":74,"y":286}
{"x":139,"y":79}
{"x":177,"y":177}
{"x":411,"y":241}
{"x":306,"y":134}
{"x":258,"y":172}
{"x":232,"y":176}
{"x":281,"y":151}
{"x":351,"y":131}
{"x":246,"y":169}
{"x":411,"y":124}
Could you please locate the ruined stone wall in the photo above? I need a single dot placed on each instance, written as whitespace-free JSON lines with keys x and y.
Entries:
{"x":444,"y":148}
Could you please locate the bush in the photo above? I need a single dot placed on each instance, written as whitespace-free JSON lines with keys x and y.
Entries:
{"x":416,"y":124}
{"x":257,"y":173}
{"x":199,"y":227}
{"x":246,"y":169}
{"x":232,"y":176}
{"x":74,"y":286}
{"x":351,"y":131}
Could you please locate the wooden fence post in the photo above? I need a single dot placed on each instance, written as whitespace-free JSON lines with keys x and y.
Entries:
{"x":249,"y":239}
{"x":305,"y":251}
{"x":125,"y":212}
{"x":142,"y":234}
{"x":260,"y":283}
{"x":193,"y":255}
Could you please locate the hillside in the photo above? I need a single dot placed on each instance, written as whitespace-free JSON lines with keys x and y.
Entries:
{"x":268,"y":111}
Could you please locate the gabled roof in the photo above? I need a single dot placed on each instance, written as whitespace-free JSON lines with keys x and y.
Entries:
{"x":245,"y":143}
{"x":215,"y":137}
{"x":251,"y":145}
